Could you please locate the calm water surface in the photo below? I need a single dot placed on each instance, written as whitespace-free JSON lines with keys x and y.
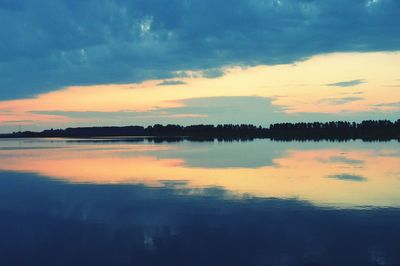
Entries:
{"x":128,"y":202}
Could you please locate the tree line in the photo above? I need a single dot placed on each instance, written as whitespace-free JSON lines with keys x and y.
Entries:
{"x":336,"y":130}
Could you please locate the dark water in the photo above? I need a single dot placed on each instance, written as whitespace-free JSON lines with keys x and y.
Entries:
{"x":238,"y":203}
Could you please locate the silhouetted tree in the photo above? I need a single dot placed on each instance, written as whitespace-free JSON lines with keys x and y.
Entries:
{"x":334,"y":130}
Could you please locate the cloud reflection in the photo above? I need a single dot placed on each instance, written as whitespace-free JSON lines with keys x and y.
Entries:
{"x":295,"y":173}
{"x":44,"y":222}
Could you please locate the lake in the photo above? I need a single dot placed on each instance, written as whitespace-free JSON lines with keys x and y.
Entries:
{"x":140,"y":201}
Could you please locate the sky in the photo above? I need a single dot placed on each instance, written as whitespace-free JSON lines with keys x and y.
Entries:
{"x":112,"y":62}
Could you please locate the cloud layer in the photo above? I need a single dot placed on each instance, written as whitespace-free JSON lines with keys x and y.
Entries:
{"x":50,"y":44}
{"x":349,"y":83}
{"x":259,"y":95}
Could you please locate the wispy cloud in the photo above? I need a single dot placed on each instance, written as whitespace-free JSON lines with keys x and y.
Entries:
{"x":348,"y":177}
{"x":342,"y":159}
{"x":391,"y":104}
{"x":235,"y":109}
{"x":339,"y":101}
{"x":171,"y":82}
{"x":17,"y":122}
{"x":353,"y":93}
{"x":349,"y":83}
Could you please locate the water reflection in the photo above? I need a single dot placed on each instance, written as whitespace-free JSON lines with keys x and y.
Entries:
{"x":48,"y":222}
{"x":351,"y":174}
{"x":66,"y":202}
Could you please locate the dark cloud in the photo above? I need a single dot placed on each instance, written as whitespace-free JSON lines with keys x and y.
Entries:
{"x":349,"y":83}
{"x":212,"y":73}
{"x":50,"y":44}
{"x":349,"y":177}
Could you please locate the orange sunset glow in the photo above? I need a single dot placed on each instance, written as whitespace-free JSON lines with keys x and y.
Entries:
{"x":375,"y":172}
{"x":300,"y":88}
{"x":199,"y":132}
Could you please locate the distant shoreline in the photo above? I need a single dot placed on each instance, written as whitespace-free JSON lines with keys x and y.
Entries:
{"x":368,"y":130}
